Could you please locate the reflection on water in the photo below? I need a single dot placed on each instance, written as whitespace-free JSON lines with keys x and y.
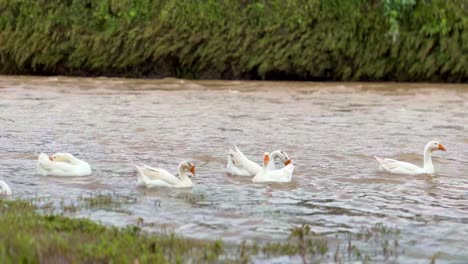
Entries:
{"x":332,"y":131}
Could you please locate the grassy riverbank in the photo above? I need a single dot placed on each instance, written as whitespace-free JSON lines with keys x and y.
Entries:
{"x":27,"y":236}
{"x":32,"y":233}
{"x":342,"y":40}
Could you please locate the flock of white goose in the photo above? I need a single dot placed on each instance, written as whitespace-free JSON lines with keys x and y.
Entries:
{"x":66,"y":165}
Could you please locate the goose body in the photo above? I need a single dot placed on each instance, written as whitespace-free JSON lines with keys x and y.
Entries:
{"x":238,"y":164}
{"x":158,"y":177}
{"x":4,"y":188}
{"x":62,"y":164}
{"x":401,"y":167}
{"x":270,"y":174}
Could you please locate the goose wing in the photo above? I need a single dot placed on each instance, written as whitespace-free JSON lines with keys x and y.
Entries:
{"x":157,"y":174}
{"x":240,"y":161}
{"x":397,"y":166}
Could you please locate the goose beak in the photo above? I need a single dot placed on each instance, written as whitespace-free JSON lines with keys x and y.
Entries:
{"x":286,"y":163}
{"x":51,"y":159}
{"x":441,"y":147}
{"x":192,"y":170}
{"x":266,"y":158}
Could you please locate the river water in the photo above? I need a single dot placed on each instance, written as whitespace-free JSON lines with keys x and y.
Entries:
{"x":330,"y":130}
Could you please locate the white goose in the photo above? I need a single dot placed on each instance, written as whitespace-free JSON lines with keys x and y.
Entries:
{"x":238,"y":164}
{"x":62,"y":164}
{"x":4,"y":189}
{"x":157,"y":177}
{"x":400,"y":167}
{"x":269,"y":174}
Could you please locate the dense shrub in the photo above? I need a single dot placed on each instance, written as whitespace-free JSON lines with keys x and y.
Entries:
{"x":404,"y":40}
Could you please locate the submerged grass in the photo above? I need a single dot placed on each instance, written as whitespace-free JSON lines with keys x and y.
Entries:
{"x":402,"y":40}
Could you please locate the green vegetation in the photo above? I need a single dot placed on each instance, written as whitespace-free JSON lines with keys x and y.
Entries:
{"x":404,"y":40}
{"x":34,"y":238}
{"x":27,"y":236}
{"x":95,"y":200}
{"x":32,"y":233}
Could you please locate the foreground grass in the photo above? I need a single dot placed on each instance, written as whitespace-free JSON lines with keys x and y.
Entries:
{"x":29,"y":237}
{"x":32,"y":232}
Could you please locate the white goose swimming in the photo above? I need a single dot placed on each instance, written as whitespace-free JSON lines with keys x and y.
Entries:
{"x":269,"y":174}
{"x":400,"y":167}
{"x":157,"y":177}
{"x":238,"y":164}
{"x":62,"y":164}
{"x":4,"y":189}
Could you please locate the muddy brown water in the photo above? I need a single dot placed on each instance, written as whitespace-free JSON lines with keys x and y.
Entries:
{"x":331,"y":131}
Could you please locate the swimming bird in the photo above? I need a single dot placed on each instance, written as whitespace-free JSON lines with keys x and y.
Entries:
{"x":269,"y":174}
{"x":157,"y":177}
{"x":238,"y":164}
{"x":400,"y":167}
{"x":4,"y":189}
{"x":62,"y":164}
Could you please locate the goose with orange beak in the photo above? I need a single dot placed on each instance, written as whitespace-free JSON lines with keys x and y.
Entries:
{"x":269,"y":174}
{"x":400,"y":167}
{"x":238,"y":164}
{"x":62,"y":164}
{"x":158,"y":177}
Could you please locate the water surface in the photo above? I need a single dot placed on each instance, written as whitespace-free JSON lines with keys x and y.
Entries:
{"x":331,"y":131}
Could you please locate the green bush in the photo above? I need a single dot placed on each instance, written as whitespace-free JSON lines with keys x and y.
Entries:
{"x":343,"y":40}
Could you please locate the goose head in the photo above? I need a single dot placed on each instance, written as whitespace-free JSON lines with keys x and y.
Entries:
{"x":283,"y":156}
{"x":434,"y":145}
{"x":188,"y":166}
